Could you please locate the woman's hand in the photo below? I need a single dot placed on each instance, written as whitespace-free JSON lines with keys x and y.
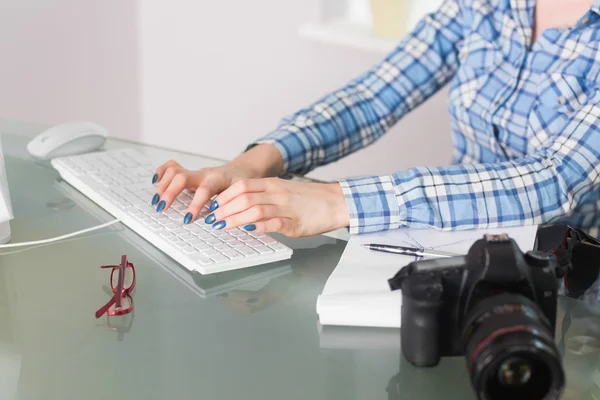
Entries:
{"x":260,"y":161}
{"x":275,"y":205}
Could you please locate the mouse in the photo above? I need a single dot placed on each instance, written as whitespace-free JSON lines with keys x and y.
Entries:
{"x":67,"y":139}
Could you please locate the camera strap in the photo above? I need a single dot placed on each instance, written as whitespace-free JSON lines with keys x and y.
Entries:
{"x":579,"y":257}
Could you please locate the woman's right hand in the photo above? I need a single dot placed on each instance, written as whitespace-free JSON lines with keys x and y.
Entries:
{"x":259,"y":162}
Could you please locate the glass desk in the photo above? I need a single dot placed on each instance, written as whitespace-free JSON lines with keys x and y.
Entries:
{"x":248,"y":334}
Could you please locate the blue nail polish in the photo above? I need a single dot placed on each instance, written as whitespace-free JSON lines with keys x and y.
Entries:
{"x":154,"y":178}
{"x":155,"y":199}
{"x":210,"y":219}
{"x":219,"y":225}
{"x":188,"y":218}
{"x":250,"y":227}
{"x":161,"y":206}
{"x":214,"y":206}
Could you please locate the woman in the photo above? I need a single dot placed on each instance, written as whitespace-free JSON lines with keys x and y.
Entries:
{"x":524,"y":107}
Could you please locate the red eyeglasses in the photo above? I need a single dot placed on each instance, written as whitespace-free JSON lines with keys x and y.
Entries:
{"x":122,"y":281}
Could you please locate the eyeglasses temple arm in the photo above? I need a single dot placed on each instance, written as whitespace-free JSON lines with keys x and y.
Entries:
{"x":105,"y":307}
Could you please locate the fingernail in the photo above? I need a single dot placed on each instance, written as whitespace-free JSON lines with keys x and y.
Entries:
{"x":250,"y":227}
{"x":161,"y":206}
{"x":219,"y":225}
{"x":188,"y":218}
{"x":154,"y":178}
{"x":214,"y":206}
{"x":155,"y":199}
{"x":210,"y":219}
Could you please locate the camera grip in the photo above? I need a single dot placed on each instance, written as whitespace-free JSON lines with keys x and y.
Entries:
{"x":420,"y":320}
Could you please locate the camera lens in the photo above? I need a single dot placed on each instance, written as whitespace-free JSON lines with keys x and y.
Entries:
{"x":510,"y":350}
{"x":514,"y":372}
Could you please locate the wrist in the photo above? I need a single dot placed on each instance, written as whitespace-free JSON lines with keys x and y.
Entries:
{"x":338,"y":206}
{"x":261,"y":161}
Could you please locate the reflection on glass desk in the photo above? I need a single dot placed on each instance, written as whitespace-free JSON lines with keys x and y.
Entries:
{"x":247,"y":334}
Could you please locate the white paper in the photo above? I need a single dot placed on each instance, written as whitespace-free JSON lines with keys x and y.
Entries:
{"x":357,"y":291}
{"x":6,"y":213}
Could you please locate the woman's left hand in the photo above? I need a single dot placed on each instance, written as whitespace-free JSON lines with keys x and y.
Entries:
{"x":294,"y":209}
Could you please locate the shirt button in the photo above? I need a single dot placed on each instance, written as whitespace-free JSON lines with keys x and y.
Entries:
{"x":585,"y":21}
{"x":500,"y":100}
{"x":464,"y":53}
{"x":562,"y":100}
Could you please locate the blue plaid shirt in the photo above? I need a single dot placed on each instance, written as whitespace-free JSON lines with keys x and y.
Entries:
{"x":524,"y":118}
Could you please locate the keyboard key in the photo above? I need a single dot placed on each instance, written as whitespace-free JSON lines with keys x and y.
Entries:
{"x":213,"y":241}
{"x":174,"y":217}
{"x":204,"y":235}
{"x":179,"y":207}
{"x":237,"y":233}
{"x":210,"y":251}
{"x":173,"y":238}
{"x":180,"y":231}
{"x":188,"y":249}
{"x":253,"y":243}
{"x":170,"y":225}
{"x":247,"y":251}
{"x":187,"y":235}
{"x":263,"y":249}
{"x":203,"y":260}
{"x":194,"y":240}
{"x":268,"y":240}
{"x":258,"y":235}
{"x":221,"y":247}
{"x":147,"y":221}
{"x":179,"y":243}
{"x":201,"y":246}
{"x":155,"y":227}
{"x":219,"y":258}
{"x":167,"y":234}
{"x":278,"y":247}
{"x":232,"y":254}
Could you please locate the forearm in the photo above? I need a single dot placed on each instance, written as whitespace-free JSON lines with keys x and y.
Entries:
{"x":262,"y":161}
{"x":520,"y":192}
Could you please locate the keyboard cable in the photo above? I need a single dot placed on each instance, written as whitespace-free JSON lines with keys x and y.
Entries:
{"x":58,"y":238}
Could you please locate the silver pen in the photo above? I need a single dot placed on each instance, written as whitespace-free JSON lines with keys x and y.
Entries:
{"x":408,"y":251}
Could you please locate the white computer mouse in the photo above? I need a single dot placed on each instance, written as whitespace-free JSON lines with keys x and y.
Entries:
{"x":67,"y":139}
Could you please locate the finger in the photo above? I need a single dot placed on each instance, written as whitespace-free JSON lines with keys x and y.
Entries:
{"x":277,"y":224}
{"x":244,"y":202}
{"x":240,"y":187}
{"x":252,"y":215}
{"x":202,"y":196}
{"x":176,"y":186}
{"x":166,"y":179}
{"x":160,"y":171}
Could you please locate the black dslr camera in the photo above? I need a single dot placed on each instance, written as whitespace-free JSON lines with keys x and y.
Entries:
{"x":497,"y":307}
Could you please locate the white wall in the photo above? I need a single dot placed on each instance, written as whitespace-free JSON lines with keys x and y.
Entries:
{"x":70,"y":59}
{"x":205,"y":77}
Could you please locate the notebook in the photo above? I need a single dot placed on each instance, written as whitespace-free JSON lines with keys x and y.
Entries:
{"x":357,"y":292}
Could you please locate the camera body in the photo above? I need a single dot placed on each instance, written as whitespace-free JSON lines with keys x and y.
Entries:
{"x":489,"y":305}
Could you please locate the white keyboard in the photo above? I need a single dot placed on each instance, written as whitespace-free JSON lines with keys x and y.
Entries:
{"x":119,"y":181}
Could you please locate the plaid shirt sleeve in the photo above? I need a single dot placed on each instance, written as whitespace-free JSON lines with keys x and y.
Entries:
{"x":356,"y":115}
{"x":530,"y":190}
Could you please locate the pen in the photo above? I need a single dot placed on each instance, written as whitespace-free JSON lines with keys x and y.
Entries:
{"x":408,"y":251}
